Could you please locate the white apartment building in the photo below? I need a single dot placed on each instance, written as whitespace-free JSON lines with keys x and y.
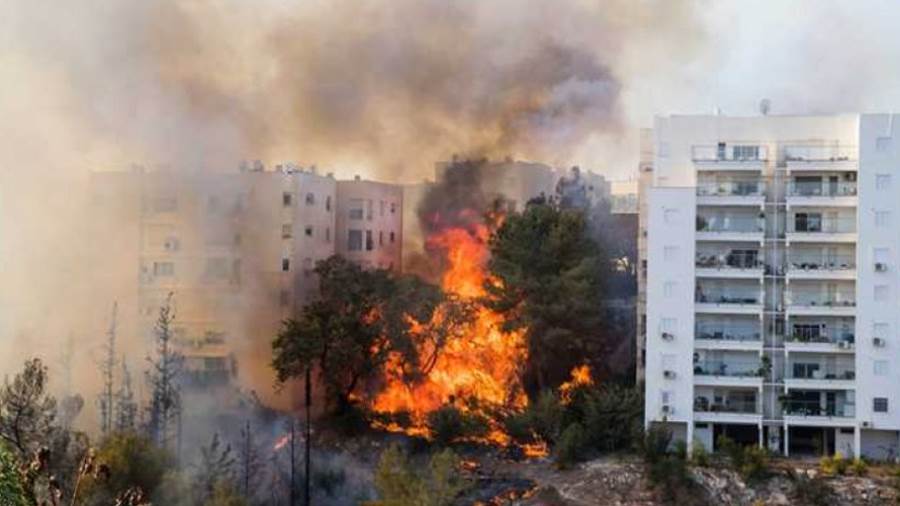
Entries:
{"x":772,"y":249}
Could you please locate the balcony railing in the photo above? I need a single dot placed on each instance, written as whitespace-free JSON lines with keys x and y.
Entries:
{"x":816,"y":408}
{"x":726,"y":332}
{"x":838,"y":153}
{"x":833,"y":336}
{"x":822,"y":375}
{"x":739,"y":369}
{"x":702,"y":404}
{"x":728,"y":261}
{"x":725,"y":298}
{"x":811,"y":262}
{"x":811,"y":225}
{"x":729,"y":153}
{"x":740,"y":224}
{"x":730,"y":188}
{"x":818,"y":301}
{"x":822,"y":189}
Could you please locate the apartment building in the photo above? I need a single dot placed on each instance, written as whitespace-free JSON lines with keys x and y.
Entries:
{"x":771,"y":289}
{"x":237,"y":250}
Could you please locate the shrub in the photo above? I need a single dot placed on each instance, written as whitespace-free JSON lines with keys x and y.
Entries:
{"x":858,"y":467}
{"x":399,"y":483}
{"x":834,"y":465}
{"x":699,"y":455}
{"x":752,"y":462}
{"x":571,"y":445}
{"x":12,"y":491}
{"x":450,"y":424}
{"x":811,"y":491}
{"x":133,"y":461}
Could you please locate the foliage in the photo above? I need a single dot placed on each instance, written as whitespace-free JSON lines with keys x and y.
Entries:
{"x":26,"y":410}
{"x":858,"y":467}
{"x":699,"y":455}
{"x":752,"y":462}
{"x":450,"y":424}
{"x":571,"y":445}
{"x":216,"y":466}
{"x":835,"y":465}
{"x":399,"y":483}
{"x":548,"y":280}
{"x":225,"y":494}
{"x":668,"y":471}
{"x":12,"y":490}
{"x":163,"y":379}
{"x":132,"y":460}
{"x":360,"y":319}
{"x":811,"y":491}
{"x":125,"y":407}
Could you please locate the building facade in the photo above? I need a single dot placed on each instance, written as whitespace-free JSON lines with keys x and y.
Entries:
{"x":771,"y":287}
{"x":235,"y":249}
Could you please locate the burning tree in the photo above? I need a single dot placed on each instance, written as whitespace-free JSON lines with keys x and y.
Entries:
{"x":26,"y":411}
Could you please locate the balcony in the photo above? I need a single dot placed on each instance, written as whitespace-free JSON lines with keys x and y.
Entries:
{"x":818,"y":266}
{"x":733,"y":300}
{"x":730,"y":228}
{"x":809,"y":304}
{"x":728,"y":373}
{"x":800,"y":158}
{"x":718,"y":157}
{"x":819,"y":340}
{"x":731,"y":193}
{"x":726,"y":410}
{"x":802,"y":412}
{"x":822,"y":193}
{"x":741,"y":264}
{"x":838,"y":378}
{"x":811,"y":227}
{"x":725,"y":336}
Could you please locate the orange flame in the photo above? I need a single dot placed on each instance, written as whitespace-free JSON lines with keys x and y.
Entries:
{"x":483,"y":365}
{"x":580,"y":376}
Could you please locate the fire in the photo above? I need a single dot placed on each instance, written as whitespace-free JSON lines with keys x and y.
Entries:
{"x":282,"y":441}
{"x":483,"y":365}
{"x":580,"y":376}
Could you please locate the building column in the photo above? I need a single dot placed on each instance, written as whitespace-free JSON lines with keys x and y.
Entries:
{"x":857,"y":442}
{"x":690,"y":436}
{"x":761,"y":436}
{"x":787,"y":440}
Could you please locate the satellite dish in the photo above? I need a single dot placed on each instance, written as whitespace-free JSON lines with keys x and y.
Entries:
{"x":764,"y":106}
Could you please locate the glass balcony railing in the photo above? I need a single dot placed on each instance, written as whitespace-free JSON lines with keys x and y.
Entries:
{"x":815,"y":300}
{"x":727,"y":298}
{"x":819,"y":335}
{"x":821,"y":374}
{"x":812,"y":262}
{"x":822,"y":189}
{"x":819,"y":153}
{"x":815,"y":224}
{"x":743,"y":369}
{"x":730,"y":188}
{"x":816,"y":408}
{"x":740,"y":224}
{"x":704,"y":405}
{"x":735,"y":260}
{"x":726,"y":332}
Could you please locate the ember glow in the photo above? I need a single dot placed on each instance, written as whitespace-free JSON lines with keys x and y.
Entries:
{"x":483,"y":364}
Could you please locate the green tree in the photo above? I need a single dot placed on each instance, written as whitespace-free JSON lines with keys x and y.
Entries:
{"x":399,"y":483}
{"x":132,"y":461}
{"x":548,"y":280}
{"x":26,"y":410}
{"x":359,"y":319}
{"x":12,"y":491}
{"x":216,"y":466}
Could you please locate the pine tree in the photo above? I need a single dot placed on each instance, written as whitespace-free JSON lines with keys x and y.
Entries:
{"x":125,"y":406}
{"x":163,"y":380}
{"x":216,"y":466}
{"x":249,"y":461}
{"x":26,"y":411}
{"x":107,"y":369}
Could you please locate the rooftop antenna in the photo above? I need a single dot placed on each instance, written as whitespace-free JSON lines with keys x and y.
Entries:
{"x":764,"y":106}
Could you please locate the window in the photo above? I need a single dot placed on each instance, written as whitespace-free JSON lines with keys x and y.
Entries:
{"x":308,"y":231}
{"x":881,"y":255}
{"x":287,"y":199}
{"x":668,"y":325}
{"x":216,"y":268}
{"x":285,"y":264}
{"x":670,"y":253}
{"x":880,"y":367}
{"x":881,"y":293}
{"x":669,"y":289}
{"x":381,"y":237}
{"x":808,"y":222}
{"x":286,"y":231}
{"x":392,"y":236}
{"x":880,"y":329}
{"x":883,"y":143}
{"x":370,"y":245}
{"x":369,"y":209}
{"x":882,"y":218}
{"x":327,"y":234}
{"x":670,"y":216}
{"x":745,"y":152}
{"x":356,"y":209}
{"x":882,"y":181}
{"x":380,"y":208}
{"x":354,"y":240}
{"x":310,"y":199}
{"x":163,"y":269}
{"x":667,"y":397}
{"x":880,"y":404}
{"x":720,"y":151}
{"x":393,"y":208}
{"x":307,"y":266}
{"x":328,"y":203}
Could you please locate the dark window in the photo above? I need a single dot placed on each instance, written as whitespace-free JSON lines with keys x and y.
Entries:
{"x":286,"y":199}
{"x":308,"y":231}
{"x":310,"y":199}
{"x":354,"y":240}
{"x":370,"y":245}
{"x":286,"y":231}
{"x":328,"y":234}
{"x":328,"y":203}
{"x":285,"y":264}
{"x":356,"y":209}
{"x":880,"y":404}
{"x":381,"y":237}
{"x":392,"y":237}
{"x":163,"y":269}
{"x":393,"y":208}
{"x":720,"y":151}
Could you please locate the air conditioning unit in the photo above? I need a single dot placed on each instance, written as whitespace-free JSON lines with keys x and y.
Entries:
{"x":669,"y":374}
{"x":880,"y":267}
{"x":668,"y":336}
{"x":668,"y":409}
{"x":878,"y":342}
{"x":171,"y":244}
{"x":844,"y":345}
{"x":866,"y":425}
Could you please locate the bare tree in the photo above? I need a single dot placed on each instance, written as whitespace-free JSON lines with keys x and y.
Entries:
{"x":26,"y":411}
{"x":125,"y":406}
{"x":163,"y":379}
{"x":250,"y":462}
{"x":216,"y":466}
{"x":107,"y":369}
